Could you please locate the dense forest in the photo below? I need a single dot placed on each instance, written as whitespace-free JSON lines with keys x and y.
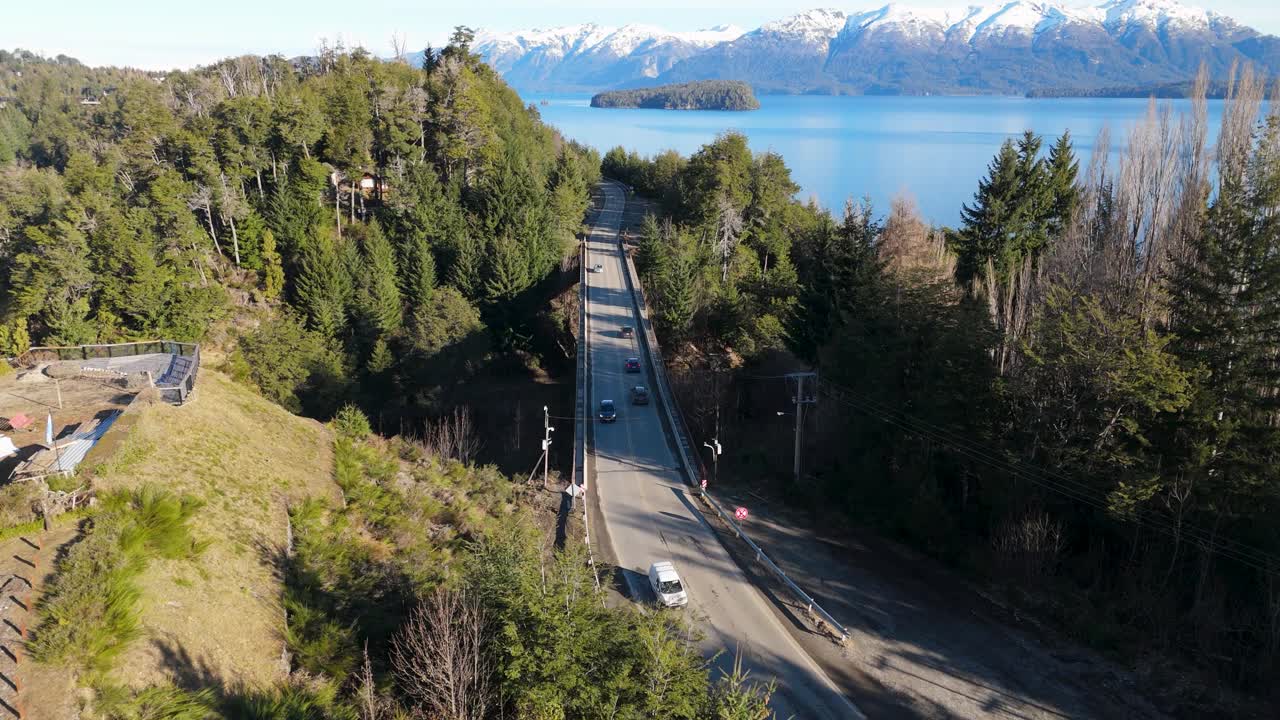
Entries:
{"x":386,"y":220}
{"x":700,"y":95}
{"x":1074,"y":394}
{"x":337,"y":230}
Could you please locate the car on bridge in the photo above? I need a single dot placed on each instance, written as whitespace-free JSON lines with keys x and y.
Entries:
{"x":597,"y":268}
{"x":639,"y":395}
{"x":608,"y":413}
{"x":627,"y":332}
{"x":666,"y":584}
{"x":633,"y":365}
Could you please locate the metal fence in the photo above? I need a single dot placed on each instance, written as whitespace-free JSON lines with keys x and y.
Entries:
{"x":689,"y":458}
{"x":176,"y":384}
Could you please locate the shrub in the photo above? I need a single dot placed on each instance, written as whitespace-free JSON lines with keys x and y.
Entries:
{"x":91,"y":611}
{"x":351,"y":423}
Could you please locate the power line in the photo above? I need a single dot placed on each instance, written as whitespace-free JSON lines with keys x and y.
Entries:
{"x":1071,"y":487}
{"x":1052,"y":480}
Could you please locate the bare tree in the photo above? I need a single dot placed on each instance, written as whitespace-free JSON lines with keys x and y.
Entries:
{"x":910,"y":247}
{"x":202,"y":200}
{"x":372,"y":705}
{"x":440,"y":658}
{"x":453,"y":436}
{"x":1031,"y":543}
{"x":728,"y":229}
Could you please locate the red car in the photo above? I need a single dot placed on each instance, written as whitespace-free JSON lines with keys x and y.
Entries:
{"x":633,"y":365}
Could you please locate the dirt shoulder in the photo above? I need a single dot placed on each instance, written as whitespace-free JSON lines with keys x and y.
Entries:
{"x":923,"y":643}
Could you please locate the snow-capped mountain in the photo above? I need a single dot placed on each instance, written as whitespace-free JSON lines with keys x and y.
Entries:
{"x":1010,"y":47}
{"x":591,"y":56}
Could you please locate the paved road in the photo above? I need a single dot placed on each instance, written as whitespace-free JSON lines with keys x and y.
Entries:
{"x":648,"y":515}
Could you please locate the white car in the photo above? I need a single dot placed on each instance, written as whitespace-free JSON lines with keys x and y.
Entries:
{"x":666,"y":584}
{"x":597,"y":268}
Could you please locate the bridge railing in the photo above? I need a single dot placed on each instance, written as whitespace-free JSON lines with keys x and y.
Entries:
{"x":582,"y":402}
{"x":690,"y":461}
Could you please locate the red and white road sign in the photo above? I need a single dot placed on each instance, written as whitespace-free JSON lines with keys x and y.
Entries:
{"x":740,"y":513}
{"x":704,"y":483}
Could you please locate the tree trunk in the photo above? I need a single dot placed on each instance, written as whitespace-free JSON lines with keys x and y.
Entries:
{"x":235,"y":240}
{"x":258,"y":173}
{"x":195,"y":260}
{"x":208,"y":214}
{"x":337,"y":206}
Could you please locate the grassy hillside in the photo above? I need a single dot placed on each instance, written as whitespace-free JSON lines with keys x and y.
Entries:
{"x":243,"y":460}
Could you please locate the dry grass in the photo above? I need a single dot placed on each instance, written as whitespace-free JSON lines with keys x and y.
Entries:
{"x":218,"y":618}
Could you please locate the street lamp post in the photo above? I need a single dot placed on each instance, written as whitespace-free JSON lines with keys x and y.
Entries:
{"x":716,"y":451}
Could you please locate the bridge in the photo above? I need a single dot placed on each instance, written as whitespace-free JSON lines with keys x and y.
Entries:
{"x":637,"y":470}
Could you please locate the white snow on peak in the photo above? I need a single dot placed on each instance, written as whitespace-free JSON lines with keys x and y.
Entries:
{"x":592,"y":38}
{"x":558,"y":40}
{"x":1022,"y":16}
{"x":907,"y":20}
{"x":1154,"y":14}
{"x":1026,"y":17}
{"x":819,"y":25}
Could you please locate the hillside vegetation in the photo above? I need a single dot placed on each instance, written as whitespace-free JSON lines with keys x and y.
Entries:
{"x":702,"y":95}
{"x":379,"y":231}
{"x":211,"y":483}
{"x":339,"y":231}
{"x":1072,"y":395}
{"x":267,"y":580}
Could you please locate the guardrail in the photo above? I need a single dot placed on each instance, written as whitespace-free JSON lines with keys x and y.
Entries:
{"x":582,"y":404}
{"x":689,"y":459}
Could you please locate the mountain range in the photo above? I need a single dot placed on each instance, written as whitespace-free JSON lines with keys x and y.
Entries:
{"x":1011,"y":48}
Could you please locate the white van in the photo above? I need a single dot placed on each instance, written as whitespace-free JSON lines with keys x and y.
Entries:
{"x":666,"y":584}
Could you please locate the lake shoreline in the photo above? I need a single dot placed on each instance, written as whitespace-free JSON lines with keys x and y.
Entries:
{"x":932,"y":148}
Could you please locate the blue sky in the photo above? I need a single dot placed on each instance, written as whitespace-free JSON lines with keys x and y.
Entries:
{"x":162,"y":34}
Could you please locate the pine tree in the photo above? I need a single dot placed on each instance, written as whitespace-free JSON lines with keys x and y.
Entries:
{"x":1226,"y":316}
{"x":380,"y":358}
{"x":272,"y":270}
{"x":986,"y":224}
{"x":678,"y":290}
{"x":1033,"y":205}
{"x":1062,"y":170}
{"x":324,"y":287}
{"x":465,"y":271}
{"x":419,"y":272}
{"x":507,"y":271}
{"x":378,"y":301}
{"x":651,"y":257}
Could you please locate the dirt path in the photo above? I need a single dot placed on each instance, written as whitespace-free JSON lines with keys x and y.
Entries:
{"x":26,"y":565}
{"x":923,"y":644}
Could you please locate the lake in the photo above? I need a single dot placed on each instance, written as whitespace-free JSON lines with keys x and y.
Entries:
{"x":935,"y":148}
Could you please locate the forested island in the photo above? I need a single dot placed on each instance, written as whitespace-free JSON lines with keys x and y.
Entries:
{"x":1215,"y":90}
{"x":702,"y":95}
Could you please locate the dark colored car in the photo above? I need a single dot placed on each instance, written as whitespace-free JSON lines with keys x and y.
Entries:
{"x":633,"y":365}
{"x":628,"y":331}
{"x":639,"y":395}
{"x":607,"y":412}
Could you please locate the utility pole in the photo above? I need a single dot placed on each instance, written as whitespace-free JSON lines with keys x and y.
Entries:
{"x":801,"y":399}
{"x":546,"y":443}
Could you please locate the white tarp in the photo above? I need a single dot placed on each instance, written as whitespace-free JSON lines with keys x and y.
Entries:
{"x":7,"y":447}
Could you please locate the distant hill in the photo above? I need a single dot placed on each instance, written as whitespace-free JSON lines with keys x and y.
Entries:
{"x":1011,"y":48}
{"x":700,"y":95}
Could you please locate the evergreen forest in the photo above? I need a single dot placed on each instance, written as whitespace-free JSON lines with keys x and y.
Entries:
{"x":1074,"y":395}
